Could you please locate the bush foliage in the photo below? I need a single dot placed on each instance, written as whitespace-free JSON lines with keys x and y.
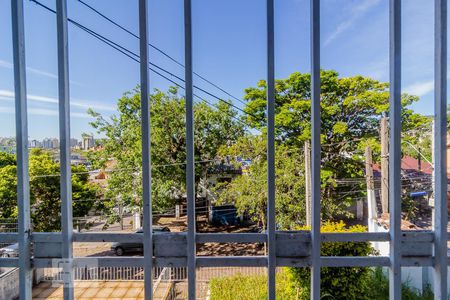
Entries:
{"x":338,"y":283}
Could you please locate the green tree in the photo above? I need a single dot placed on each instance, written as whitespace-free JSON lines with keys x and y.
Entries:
{"x":7,"y":159}
{"x":249,"y":192}
{"x":351,"y":108}
{"x":8,"y":192}
{"x":213,"y":128}
{"x":45,"y":193}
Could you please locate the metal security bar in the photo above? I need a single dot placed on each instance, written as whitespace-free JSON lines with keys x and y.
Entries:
{"x":23,"y":180}
{"x":440,"y":132}
{"x":64,"y":134}
{"x":395,"y":147}
{"x":315,"y":149}
{"x":146,"y":157}
{"x":179,"y":249}
{"x":271,"y":262}
{"x":190,"y":167}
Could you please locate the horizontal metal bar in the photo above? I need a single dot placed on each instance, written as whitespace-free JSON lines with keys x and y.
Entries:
{"x":175,"y":262}
{"x":224,"y":261}
{"x":421,"y":236}
{"x":373,"y":261}
{"x":354,"y":261}
{"x":9,"y":262}
{"x":97,"y":261}
{"x":356,"y":237}
{"x":417,"y":236}
{"x":112,"y":262}
{"x":417,"y":261}
{"x":410,"y":236}
{"x":46,"y":237}
{"x":8,"y":237}
{"x":108,"y":237}
{"x":99,"y":237}
{"x":231,"y":238}
{"x":231,"y":261}
{"x":293,"y":262}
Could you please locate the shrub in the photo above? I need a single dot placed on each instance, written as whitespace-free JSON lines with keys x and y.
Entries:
{"x":338,"y":283}
{"x":379,"y":288}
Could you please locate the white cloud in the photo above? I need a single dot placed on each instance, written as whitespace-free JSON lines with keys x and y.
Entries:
{"x":9,"y":95}
{"x":7,"y":65}
{"x":357,"y":11}
{"x":43,"y":112}
{"x":420,"y":88}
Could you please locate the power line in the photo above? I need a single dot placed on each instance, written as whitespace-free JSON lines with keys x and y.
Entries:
{"x":125,"y":169}
{"x":135,"y":57}
{"x":157,"y":49}
{"x":130,"y":54}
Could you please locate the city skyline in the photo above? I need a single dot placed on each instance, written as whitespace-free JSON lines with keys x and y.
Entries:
{"x":86,"y":142}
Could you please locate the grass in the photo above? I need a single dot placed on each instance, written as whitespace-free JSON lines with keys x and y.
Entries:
{"x":252,"y":287}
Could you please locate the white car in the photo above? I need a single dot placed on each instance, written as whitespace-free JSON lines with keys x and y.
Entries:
{"x":10,"y":251}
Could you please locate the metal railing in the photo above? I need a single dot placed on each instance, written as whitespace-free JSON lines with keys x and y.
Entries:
{"x":116,"y":274}
{"x":159,"y":273}
{"x":185,"y":248}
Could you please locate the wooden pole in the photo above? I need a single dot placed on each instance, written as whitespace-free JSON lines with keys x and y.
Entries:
{"x":371,"y":203}
{"x":384,"y":135}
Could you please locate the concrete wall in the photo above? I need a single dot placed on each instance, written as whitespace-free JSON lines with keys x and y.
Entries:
{"x":9,"y":284}
{"x":415,"y":277}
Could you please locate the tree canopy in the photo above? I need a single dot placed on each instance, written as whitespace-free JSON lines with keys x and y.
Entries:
{"x":351,"y":111}
{"x":351,"y":108}
{"x":44,"y":190}
{"x":214,"y":127}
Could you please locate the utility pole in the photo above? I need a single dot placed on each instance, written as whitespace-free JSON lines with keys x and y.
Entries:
{"x":384,"y":135}
{"x":371,"y":203}
{"x":120,"y":204}
{"x":307,"y":151}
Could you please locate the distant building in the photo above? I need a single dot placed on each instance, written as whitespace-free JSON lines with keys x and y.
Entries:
{"x":47,"y":143}
{"x":35,"y":144}
{"x":55,"y":143}
{"x":73,"y":143}
{"x":88,"y":142}
{"x":50,"y":143}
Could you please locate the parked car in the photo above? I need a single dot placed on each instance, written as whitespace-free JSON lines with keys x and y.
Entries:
{"x":121,"y":248}
{"x":10,"y":251}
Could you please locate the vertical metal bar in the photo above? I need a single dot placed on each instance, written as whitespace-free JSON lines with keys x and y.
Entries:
{"x":190,"y":167}
{"x":23,"y":183}
{"x":146,"y":154}
{"x":394,"y":148}
{"x":64,"y":135}
{"x":271,"y":262}
{"x":440,"y":150}
{"x":315,"y":148}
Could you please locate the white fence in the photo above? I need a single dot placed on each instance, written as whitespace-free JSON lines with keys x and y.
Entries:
{"x":114,"y":274}
{"x":137,"y":273}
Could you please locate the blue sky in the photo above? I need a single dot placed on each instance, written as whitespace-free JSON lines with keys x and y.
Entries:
{"x":229,"y":49}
